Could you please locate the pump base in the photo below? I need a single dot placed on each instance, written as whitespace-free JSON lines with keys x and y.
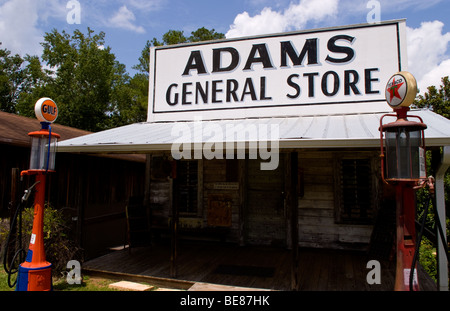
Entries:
{"x":34,"y":279}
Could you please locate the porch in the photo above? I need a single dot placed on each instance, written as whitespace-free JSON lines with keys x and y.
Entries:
{"x":249,"y":266}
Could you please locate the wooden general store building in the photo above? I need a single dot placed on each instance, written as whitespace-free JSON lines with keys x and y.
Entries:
{"x":269,"y":142}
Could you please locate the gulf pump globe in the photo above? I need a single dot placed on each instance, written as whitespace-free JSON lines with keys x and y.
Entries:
{"x":43,"y":142}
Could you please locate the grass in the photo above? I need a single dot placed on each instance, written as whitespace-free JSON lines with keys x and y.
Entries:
{"x":4,"y":281}
{"x":88,"y":284}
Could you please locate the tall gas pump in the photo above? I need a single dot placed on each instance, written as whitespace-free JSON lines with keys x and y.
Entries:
{"x":35,"y":273}
{"x":403,"y":165}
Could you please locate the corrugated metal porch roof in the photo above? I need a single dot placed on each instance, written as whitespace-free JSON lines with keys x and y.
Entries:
{"x":320,"y":131}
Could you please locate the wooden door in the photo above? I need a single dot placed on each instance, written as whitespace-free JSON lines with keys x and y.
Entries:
{"x":265,"y":215}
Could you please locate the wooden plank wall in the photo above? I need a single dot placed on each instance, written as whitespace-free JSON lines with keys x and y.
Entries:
{"x":11,"y":157}
{"x":216,"y":172}
{"x":266,"y":211}
{"x":317,"y":226}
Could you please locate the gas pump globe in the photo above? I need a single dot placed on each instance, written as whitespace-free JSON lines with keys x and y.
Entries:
{"x":35,"y":273}
{"x":43,"y":142}
{"x":403,"y":165}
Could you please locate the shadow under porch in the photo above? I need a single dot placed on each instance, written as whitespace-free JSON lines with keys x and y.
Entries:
{"x":260,"y":267}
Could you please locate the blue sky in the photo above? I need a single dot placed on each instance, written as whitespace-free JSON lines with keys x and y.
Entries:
{"x":129,"y":24}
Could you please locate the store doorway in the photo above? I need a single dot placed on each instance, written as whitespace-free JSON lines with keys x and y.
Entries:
{"x":265,"y":212}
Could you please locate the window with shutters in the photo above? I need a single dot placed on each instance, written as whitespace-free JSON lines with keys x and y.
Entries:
{"x":187,"y":181}
{"x":355,"y":191}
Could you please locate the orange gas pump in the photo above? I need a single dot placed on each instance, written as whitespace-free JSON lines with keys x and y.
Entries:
{"x":35,"y":273}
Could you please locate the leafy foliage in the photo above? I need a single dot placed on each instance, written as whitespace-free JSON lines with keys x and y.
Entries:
{"x":17,"y":76}
{"x":139,"y":83}
{"x":60,"y":246}
{"x":91,"y":88}
{"x":436,"y":100}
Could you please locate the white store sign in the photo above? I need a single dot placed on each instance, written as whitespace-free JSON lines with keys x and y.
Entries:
{"x":337,"y":70}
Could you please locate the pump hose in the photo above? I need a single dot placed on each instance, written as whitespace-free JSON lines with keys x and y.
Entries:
{"x":419,"y":239}
{"x":9,"y":269}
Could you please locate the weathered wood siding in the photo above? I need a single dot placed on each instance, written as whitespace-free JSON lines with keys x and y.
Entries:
{"x":215,"y":173}
{"x":266,"y":214}
{"x":251,"y":194}
{"x":11,"y":157}
{"x":317,"y":224}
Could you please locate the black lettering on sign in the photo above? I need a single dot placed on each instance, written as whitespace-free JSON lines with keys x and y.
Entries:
{"x":195,"y":62}
{"x":217,"y":59}
{"x":351,"y":77}
{"x":309,"y":48}
{"x":168,"y":95}
{"x":263,"y":57}
{"x":325,"y":83}
{"x":368,"y":80}
{"x":294,"y":85}
{"x":311,"y":76}
{"x":333,"y":47}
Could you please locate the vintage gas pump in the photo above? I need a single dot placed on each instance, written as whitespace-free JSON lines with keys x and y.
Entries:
{"x":403,"y":165}
{"x":35,"y":273}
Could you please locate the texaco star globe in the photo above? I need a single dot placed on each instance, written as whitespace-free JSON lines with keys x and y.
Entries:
{"x":401,"y":90}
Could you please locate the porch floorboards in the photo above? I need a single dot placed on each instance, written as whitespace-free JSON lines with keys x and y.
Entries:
{"x":268,"y":267}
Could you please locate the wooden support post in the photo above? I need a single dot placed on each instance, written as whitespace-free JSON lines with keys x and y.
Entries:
{"x":15,"y":173}
{"x":174,"y":223}
{"x":148,"y":173}
{"x":293,"y":202}
{"x":287,"y":200}
{"x":146,"y":203}
{"x":243,"y":200}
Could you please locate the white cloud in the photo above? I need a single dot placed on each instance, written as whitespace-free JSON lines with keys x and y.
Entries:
{"x":145,"y":5}
{"x":428,"y":55}
{"x":18,"y":32}
{"x":20,"y":22}
{"x":267,"y":21}
{"x":433,"y":77}
{"x":124,"y":18}
{"x":296,"y":16}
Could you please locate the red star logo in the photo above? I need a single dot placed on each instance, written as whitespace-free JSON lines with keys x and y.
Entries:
{"x":393,"y":90}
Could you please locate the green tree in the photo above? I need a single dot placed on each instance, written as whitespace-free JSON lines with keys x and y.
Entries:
{"x":144,"y":60}
{"x":203,"y":34}
{"x":436,"y":100}
{"x":87,"y":81}
{"x":174,"y":37}
{"x":139,"y":83}
{"x":36,"y":85}
{"x":86,"y":74}
{"x":129,"y":100}
{"x":12,"y":78}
